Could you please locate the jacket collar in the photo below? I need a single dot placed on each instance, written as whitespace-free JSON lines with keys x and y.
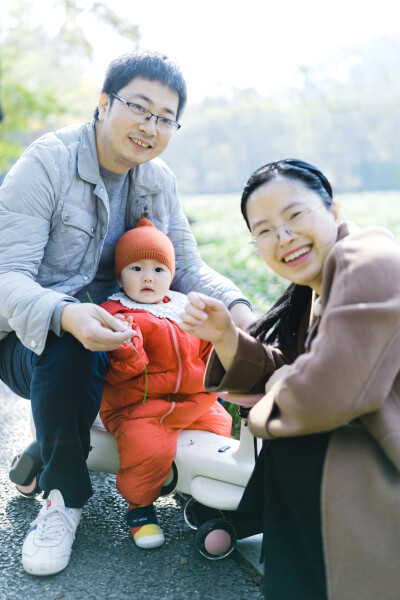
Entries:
{"x":141,"y":178}
{"x":88,"y":163}
{"x":144,"y":178}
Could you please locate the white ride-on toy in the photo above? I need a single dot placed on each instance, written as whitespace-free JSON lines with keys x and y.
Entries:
{"x":211,"y":470}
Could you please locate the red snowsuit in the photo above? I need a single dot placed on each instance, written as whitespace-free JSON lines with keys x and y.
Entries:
{"x":147,"y":431}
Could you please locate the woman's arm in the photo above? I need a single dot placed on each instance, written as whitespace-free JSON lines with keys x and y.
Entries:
{"x":353,"y":360}
{"x":238,"y":362}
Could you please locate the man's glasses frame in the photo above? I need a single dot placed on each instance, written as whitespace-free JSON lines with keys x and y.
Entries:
{"x":142,"y":114}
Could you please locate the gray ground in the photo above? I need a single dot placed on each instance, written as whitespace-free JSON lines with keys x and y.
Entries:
{"x":105,"y":564}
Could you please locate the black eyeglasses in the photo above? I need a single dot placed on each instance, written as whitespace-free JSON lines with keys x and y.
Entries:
{"x":142,"y":114}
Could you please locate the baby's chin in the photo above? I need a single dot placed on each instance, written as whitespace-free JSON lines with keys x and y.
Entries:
{"x":143,"y":300}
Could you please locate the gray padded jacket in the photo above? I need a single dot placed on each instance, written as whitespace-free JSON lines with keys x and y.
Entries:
{"x":54,"y":213}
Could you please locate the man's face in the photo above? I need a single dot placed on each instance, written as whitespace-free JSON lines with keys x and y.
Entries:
{"x":123,"y":142}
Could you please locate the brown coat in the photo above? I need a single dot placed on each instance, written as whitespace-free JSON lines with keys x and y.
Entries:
{"x":346,"y":380}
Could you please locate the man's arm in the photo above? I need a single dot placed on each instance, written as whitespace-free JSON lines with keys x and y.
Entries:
{"x":242,"y":315}
{"x":28,"y":199}
{"x":192,"y":273}
{"x":27,"y":203}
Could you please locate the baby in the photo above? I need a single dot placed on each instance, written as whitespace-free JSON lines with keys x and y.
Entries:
{"x":154,"y":387}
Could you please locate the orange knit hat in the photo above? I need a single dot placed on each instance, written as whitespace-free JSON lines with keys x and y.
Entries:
{"x":144,"y":241}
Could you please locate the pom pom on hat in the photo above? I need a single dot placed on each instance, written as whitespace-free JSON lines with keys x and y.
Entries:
{"x":143,"y":242}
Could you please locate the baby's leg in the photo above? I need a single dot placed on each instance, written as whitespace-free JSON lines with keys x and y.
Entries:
{"x":215,"y":419}
{"x":147,"y":449}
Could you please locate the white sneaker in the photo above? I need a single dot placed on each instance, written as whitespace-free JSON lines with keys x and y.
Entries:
{"x":47,"y":547}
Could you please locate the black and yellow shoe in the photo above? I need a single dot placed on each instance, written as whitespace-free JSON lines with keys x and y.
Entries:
{"x":145,"y":530}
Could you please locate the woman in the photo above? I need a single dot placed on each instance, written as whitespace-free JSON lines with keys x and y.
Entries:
{"x":326,"y":486}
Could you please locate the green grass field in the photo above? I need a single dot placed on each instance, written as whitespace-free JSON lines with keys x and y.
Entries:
{"x":223,"y":237}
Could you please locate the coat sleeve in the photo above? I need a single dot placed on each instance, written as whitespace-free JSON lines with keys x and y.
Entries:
{"x":252,"y":366}
{"x":127,"y":361}
{"x":353,"y":360}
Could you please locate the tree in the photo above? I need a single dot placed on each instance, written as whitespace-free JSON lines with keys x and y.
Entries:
{"x":43,"y":82}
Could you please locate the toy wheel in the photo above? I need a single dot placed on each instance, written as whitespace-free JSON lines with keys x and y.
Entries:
{"x":195,"y":513}
{"x":188,"y":514}
{"x":216,"y":539}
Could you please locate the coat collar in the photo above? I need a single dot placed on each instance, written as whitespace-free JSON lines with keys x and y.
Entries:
{"x":316,"y":301}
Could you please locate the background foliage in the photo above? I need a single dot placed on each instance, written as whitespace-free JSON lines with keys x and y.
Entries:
{"x":343,"y":116}
{"x":44,"y":79}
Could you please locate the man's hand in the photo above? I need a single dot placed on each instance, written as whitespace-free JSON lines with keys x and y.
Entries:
{"x":84,"y":321}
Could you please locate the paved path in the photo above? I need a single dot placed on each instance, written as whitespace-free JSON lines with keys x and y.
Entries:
{"x":105,"y":564}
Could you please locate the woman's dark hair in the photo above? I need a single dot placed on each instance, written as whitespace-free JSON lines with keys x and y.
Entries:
{"x":147,"y":64}
{"x":281,"y":323}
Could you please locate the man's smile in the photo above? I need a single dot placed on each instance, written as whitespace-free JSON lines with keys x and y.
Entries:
{"x":140,"y":142}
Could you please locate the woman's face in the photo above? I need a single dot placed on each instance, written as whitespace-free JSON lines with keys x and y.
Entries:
{"x":300,"y":230}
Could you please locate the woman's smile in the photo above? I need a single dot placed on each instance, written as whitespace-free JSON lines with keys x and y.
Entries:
{"x":297,"y":256}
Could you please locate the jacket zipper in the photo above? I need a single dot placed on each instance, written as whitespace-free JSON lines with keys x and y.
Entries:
{"x":178,"y":382}
{"x":168,"y":412}
{"x":179,"y":379}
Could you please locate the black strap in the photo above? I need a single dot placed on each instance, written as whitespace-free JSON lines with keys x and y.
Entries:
{"x":143,"y":515}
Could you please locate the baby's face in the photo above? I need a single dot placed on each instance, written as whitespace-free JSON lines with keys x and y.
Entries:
{"x":145,"y":281}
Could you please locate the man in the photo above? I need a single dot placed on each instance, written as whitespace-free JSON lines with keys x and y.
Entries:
{"x":63,"y":205}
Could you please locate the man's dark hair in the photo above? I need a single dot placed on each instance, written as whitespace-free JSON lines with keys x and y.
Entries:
{"x":147,"y":64}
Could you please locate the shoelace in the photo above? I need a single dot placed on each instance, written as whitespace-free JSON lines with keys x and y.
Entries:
{"x":53,"y":522}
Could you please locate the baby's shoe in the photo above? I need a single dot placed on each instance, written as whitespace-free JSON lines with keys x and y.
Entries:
{"x":143,"y":523}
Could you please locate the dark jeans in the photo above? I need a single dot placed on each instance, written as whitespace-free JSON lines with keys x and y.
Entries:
{"x":283,"y":499}
{"x":64,"y":385}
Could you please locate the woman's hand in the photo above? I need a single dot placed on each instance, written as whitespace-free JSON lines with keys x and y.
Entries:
{"x":86,"y":322}
{"x":206,"y":318}
{"x":209,"y":319}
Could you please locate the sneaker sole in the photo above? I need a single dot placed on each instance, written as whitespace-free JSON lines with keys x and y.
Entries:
{"x":33,"y":568}
{"x":150,"y":541}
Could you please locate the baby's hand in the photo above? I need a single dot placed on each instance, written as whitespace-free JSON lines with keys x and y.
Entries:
{"x":127,"y":320}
